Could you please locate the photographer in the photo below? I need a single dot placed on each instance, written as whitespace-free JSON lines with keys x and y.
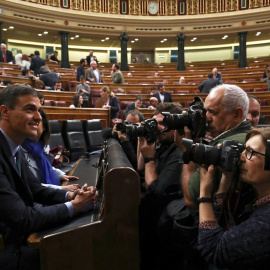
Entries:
{"x":129,"y":146}
{"x":227,"y":108}
{"x":159,"y":163}
{"x":247,"y":245}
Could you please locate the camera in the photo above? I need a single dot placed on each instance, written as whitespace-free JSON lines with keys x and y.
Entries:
{"x":148,"y":129}
{"x":226,"y":156}
{"x":194,"y":119}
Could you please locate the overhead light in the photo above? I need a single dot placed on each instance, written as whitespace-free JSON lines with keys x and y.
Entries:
{"x":258,"y":33}
{"x":136,"y":39}
{"x":132,"y":41}
{"x":165,"y":39}
{"x":107,"y":38}
{"x":4,"y":29}
{"x":225,"y":36}
{"x":102,"y":40}
{"x":72,"y":38}
{"x":162,"y":41}
{"x":11,"y":27}
{"x":194,"y":38}
{"x":45,"y":32}
{"x":77,"y":36}
{"x":40,"y":35}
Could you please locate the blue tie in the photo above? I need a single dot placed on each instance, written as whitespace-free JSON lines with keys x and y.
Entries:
{"x":18,"y":162}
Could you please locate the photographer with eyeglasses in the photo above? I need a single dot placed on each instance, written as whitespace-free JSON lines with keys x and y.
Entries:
{"x":246,"y":245}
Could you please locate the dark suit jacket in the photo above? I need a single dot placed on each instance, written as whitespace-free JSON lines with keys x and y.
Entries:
{"x":207,"y":85}
{"x":36,"y":63}
{"x":167,"y":97}
{"x":17,"y":195}
{"x":88,"y":60}
{"x":114,"y":103}
{"x":90,"y":75}
{"x":130,"y":107}
{"x":49,"y":79}
{"x":9,"y":55}
{"x":80,"y":72}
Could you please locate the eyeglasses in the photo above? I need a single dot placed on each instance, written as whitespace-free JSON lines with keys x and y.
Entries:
{"x":250,"y":152}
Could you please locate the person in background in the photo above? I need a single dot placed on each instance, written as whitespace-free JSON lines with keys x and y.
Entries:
{"x":18,"y":57}
{"x":26,"y":74}
{"x":93,"y":74}
{"x":53,"y":58}
{"x":134,"y":60}
{"x":161,"y":95}
{"x":84,"y":90}
{"x":182,"y":80}
{"x":58,"y":86}
{"x":6,"y":56}
{"x":109,"y":101}
{"x":76,"y":101}
{"x":207,"y":85}
{"x":25,"y":63}
{"x":153,"y":103}
{"x":39,"y":85}
{"x":36,"y":63}
{"x":90,"y":58}
{"x":41,"y":98}
{"x":2,"y":71}
{"x":156,"y":74}
{"x":245,"y":245}
{"x":254,"y":111}
{"x":7,"y":82}
{"x":117,"y":76}
{"x":217,"y":75}
{"x":266,"y":73}
{"x":38,"y":161}
{"x":132,"y":106}
{"x":80,"y":69}
{"x":153,"y":90}
{"x":48,"y":77}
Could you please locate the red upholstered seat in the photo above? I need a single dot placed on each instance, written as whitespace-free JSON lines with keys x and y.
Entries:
{"x":260,"y":89}
{"x":48,"y":102}
{"x":249,"y":80}
{"x":94,"y":96}
{"x":60,"y":103}
{"x":183,"y":92}
{"x":72,"y":86}
{"x":135,"y":92}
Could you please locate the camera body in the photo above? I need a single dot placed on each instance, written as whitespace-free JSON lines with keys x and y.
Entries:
{"x":194,"y":119}
{"x":225,"y":156}
{"x":148,"y":129}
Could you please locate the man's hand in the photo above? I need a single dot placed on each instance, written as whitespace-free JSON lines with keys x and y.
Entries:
{"x":71,"y":187}
{"x":178,"y":138}
{"x":147,"y":151}
{"x":69,"y":178}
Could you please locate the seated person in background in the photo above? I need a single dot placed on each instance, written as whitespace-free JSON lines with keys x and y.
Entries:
{"x":53,"y":58}
{"x":231,"y":248}
{"x":266,"y":73}
{"x":129,"y":74}
{"x":132,"y":106}
{"x":217,"y":75}
{"x":207,"y":85}
{"x":117,"y":76}
{"x":129,"y":146}
{"x":25,"y":64}
{"x":58,"y":86}
{"x":6,"y":55}
{"x":49,"y":78}
{"x":109,"y":101}
{"x":182,"y":80}
{"x":153,"y":103}
{"x":159,"y":167}
{"x":165,"y":81}
{"x":39,"y":85}
{"x":19,"y":188}
{"x":153,"y":90}
{"x":33,"y":151}
{"x":254,"y":111}
{"x":26,"y":74}
{"x":161,"y":95}
{"x":76,"y":101}
{"x":2,"y":71}
{"x":7,"y":82}
{"x":41,"y":98}
{"x":84,"y":90}
{"x":156,"y":74}
{"x":93,"y":74}
{"x":134,"y":60}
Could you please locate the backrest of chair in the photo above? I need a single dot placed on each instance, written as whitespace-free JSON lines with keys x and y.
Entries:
{"x":134,"y":92}
{"x":56,"y":138}
{"x":92,"y":133}
{"x":123,"y":104}
{"x":74,"y":138}
{"x":72,"y":86}
{"x":94,"y":96}
{"x":183,"y":92}
{"x":48,"y":102}
{"x":60,"y":103}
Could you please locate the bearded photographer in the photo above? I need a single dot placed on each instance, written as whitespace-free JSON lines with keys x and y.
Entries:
{"x":246,"y":245}
{"x":159,"y":167}
{"x":227,"y":107}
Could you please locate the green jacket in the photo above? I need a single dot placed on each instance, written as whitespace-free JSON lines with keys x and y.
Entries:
{"x":237,"y":133}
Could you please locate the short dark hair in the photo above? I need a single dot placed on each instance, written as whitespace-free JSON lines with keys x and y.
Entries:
{"x":253,"y":97}
{"x":210,"y":75}
{"x":82,"y":77}
{"x":117,"y":66}
{"x":25,"y":71}
{"x":160,"y":85}
{"x":75,"y":100}
{"x":139,"y":98}
{"x":10,"y":94}
{"x":168,"y":107}
{"x":153,"y":88}
{"x":7,"y":81}
{"x":136,"y":112}
{"x":46,"y":134}
{"x":82,"y":60}
{"x":57,"y":82}
{"x":36,"y":52}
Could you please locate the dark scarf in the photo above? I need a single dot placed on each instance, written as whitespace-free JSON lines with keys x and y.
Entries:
{"x":47,"y":175}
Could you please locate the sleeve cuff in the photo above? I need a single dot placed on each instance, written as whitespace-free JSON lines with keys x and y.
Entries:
{"x":208,"y":225}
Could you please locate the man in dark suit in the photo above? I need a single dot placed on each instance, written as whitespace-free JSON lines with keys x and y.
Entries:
{"x":93,"y":74}
{"x":36,"y":63}
{"x":90,"y":58}
{"x":132,"y":106}
{"x":161,"y":95}
{"x":207,"y":85}
{"x":20,"y":190}
{"x":80,"y":69}
{"x":5,"y":55}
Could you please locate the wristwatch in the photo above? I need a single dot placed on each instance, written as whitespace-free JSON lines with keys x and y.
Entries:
{"x":203,"y":200}
{"x":148,"y":159}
